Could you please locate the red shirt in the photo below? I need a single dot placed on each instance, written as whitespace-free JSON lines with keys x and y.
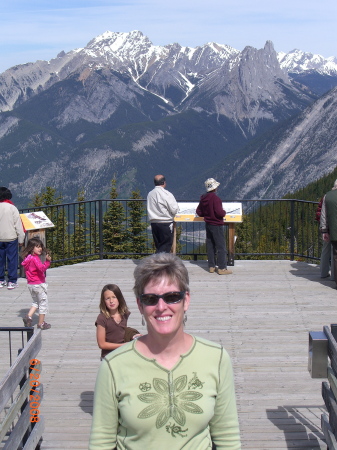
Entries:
{"x":210,"y":208}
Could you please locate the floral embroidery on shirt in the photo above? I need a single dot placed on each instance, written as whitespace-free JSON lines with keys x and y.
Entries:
{"x":195,"y":382}
{"x":175,"y":429}
{"x":170,"y":400}
{"x":144,"y":387}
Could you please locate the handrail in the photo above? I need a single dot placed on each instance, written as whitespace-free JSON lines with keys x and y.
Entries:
{"x":29,"y":428}
{"x":322,"y":348}
{"x":271,"y":228}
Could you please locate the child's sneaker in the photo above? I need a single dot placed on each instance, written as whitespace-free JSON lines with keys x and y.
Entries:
{"x":12,"y":285}
{"x":3,"y":284}
{"x":44,"y":326}
{"x":27,"y":321}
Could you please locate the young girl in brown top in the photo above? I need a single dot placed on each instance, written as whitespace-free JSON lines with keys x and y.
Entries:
{"x":112,"y":320}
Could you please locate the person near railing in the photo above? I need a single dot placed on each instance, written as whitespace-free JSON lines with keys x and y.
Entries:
{"x":167,"y":389}
{"x":328,"y":222}
{"x":11,"y":234}
{"x":161,"y":209}
{"x":36,"y":278}
{"x":210,"y":208}
{"x":326,"y":260}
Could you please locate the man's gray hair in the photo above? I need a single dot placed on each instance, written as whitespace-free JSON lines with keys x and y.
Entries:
{"x":158,"y":266}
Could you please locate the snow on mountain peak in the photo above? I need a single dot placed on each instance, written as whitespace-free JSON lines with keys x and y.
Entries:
{"x":297,"y":61}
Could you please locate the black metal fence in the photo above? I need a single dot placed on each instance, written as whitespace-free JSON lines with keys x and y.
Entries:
{"x":17,"y":338}
{"x":271,"y":229}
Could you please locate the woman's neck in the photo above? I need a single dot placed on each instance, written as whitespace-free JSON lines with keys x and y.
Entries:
{"x":166,"y":350}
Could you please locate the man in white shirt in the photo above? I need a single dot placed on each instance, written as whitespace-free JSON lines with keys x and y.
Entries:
{"x":11,"y":234}
{"x":161,"y":209}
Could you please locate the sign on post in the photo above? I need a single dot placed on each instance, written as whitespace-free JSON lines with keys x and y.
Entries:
{"x":233,"y":210}
{"x":36,"y":221}
{"x":35,"y":224}
{"x":187,"y":212}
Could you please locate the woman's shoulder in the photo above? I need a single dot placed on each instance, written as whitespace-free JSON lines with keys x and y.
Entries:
{"x":212,"y":352}
{"x":206,"y":342}
{"x":206,"y":345}
{"x":124,"y":349}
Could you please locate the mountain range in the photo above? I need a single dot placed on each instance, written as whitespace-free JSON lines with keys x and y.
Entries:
{"x":259,"y":121}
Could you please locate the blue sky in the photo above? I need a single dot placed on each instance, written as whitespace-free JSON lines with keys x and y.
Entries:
{"x":40,"y":29}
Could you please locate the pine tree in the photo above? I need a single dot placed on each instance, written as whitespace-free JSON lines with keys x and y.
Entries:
{"x":80,"y":229}
{"x":179,"y":230}
{"x":57,"y":237}
{"x":114,"y":233}
{"x":137,"y":236}
{"x":94,"y":237}
{"x":244,"y":236}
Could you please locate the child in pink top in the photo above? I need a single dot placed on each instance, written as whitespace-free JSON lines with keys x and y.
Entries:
{"x":36,"y":279}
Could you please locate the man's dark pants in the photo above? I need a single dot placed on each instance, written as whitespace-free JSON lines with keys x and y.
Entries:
{"x":216,"y":246}
{"x":334,"y":255}
{"x":163,"y":236}
{"x":9,"y":251}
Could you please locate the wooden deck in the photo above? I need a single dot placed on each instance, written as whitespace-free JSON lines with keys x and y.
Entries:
{"x":261,"y":314}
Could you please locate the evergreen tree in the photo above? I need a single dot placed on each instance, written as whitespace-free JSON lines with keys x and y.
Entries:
{"x":137,"y":226}
{"x":114,"y":233}
{"x":80,"y":229}
{"x":179,"y":230}
{"x":57,"y":237}
{"x":244,"y":237}
{"x":94,"y":237}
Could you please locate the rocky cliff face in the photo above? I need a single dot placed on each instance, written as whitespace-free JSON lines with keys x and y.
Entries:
{"x":288,"y":158}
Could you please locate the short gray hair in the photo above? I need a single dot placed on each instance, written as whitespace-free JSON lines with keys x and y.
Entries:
{"x":157,"y":266}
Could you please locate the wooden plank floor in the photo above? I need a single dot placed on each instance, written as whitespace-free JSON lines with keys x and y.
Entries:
{"x":261,"y":314}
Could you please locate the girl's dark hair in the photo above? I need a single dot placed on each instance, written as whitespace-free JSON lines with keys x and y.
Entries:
{"x":122,"y":307}
{"x":31,"y":244}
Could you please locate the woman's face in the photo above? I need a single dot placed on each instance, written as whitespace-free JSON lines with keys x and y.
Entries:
{"x":163,"y":318}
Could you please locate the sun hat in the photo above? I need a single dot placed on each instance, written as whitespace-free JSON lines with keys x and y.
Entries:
{"x":211,"y":184}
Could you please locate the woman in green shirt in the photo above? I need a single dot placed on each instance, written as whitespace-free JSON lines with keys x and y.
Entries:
{"x":167,"y":389}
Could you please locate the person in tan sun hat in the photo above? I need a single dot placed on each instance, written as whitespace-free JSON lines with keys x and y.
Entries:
{"x":210,"y":208}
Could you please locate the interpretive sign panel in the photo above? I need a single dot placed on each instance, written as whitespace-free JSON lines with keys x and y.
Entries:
{"x":36,"y":220}
{"x":187,"y":212}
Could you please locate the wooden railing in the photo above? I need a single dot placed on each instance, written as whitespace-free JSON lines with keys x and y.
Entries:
{"x":21,"y":393}
{"x":323,"y":364}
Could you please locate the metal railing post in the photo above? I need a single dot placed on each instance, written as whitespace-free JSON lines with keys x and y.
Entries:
{"x":292,"y":230}
{"x":100,"y":228}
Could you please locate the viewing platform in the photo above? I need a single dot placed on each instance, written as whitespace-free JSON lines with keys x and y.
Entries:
{"x":261,"y":314}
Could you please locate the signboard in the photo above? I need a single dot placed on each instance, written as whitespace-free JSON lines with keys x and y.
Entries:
{"x":36,"y":220}
{"x":187,"y":212}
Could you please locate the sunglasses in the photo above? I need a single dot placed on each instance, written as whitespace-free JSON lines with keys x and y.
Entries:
{"x":169,"y":298}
